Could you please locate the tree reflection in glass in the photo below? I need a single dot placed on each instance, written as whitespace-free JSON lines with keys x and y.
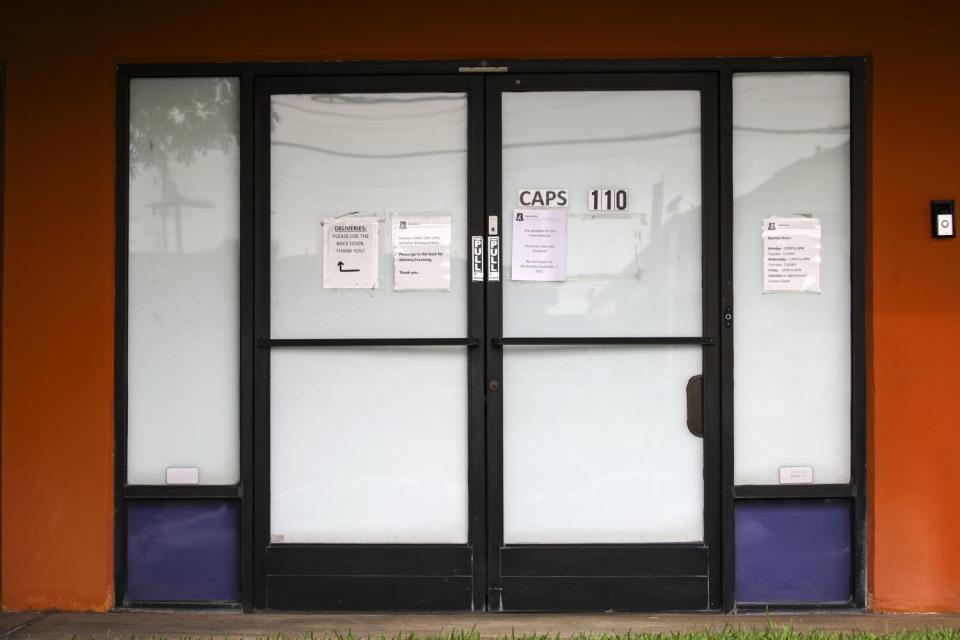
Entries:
{"x":175,"y":122}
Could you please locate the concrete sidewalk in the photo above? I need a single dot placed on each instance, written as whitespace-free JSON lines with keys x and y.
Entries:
{"x":220,"y":624}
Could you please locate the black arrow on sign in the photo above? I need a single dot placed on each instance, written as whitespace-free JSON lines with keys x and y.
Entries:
{"x":342,"y":270}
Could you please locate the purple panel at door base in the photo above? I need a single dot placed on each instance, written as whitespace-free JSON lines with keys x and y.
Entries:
{"x":793,"y":551}
{"x":182,"y":551}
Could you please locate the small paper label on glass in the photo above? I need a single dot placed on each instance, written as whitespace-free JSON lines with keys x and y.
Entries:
{"x":796,"y":475}
{"x":350,"y":253}
{"x":791,"y":255}
{"x":539,"y":251}
{"x":183,"y":475}
{"x":421,"y":253}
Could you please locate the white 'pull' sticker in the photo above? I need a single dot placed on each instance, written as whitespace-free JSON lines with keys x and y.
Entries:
{"x":493,"y":259}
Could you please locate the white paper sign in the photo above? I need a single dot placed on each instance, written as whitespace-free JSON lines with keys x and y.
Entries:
{"x":539,"y":245}
{"x":791,"y":254}
{"x":421,"y":253}
{"x":350,"y":253}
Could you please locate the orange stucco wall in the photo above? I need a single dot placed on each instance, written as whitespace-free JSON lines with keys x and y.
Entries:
{"x":58,"y":267}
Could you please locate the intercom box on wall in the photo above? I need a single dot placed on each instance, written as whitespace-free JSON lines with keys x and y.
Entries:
{"x":942,"y":219}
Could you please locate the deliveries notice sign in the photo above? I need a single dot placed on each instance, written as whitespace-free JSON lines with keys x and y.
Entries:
{"x":350,"y":247}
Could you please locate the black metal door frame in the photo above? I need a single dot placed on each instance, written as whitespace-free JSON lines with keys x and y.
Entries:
{"x":366,"y":576}
{"x":401,"y":576}
{"x":609,"y":576}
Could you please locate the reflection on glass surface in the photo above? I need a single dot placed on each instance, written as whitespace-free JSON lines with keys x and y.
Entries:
{"x":183,"y":278}
{"x":791,"y":156}
{"x":636,"y":273}
{"x":368,"y":445}
{"x":366,"y":155}
{"x":596,"y":446}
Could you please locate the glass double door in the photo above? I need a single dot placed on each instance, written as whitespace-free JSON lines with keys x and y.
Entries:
{"x":486,"y":365}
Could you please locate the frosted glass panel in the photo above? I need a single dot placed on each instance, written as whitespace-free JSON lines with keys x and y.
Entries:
{"x":791,"y":157}
{"x":630,"y":273}
{"x":337,"y":156}
{"x":183,"y":279}
{"x":596,"y":446}
{"x":368,"y":445}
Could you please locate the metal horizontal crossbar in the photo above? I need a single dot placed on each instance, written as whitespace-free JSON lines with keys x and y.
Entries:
{"x":368,"y":342}
{"x":499,"y":342}
{"x":182,"y":491}
{"x":782,"y":491}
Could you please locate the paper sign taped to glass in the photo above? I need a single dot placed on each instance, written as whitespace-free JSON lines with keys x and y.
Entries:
{"x":350,"y":253}
{"x":539,"y":251}
{"x":791,"y":255}
{"x":421,"y":253}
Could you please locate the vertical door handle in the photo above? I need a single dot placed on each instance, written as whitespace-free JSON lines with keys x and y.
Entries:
{"x":695,"y":405}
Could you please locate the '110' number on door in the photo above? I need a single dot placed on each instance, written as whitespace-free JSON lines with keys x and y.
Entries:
{"x":608,"y":200}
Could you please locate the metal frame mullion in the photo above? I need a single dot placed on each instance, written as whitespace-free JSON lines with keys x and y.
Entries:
{"x":493,"y":161}
{"x":712,"y":358}
{"x":858,"y":324}
{"x":476,"y":304}
{"x":246,"y":346}
{"x":728,"y":549}
{"x":261,"y":331}
{"x":120,"y":329}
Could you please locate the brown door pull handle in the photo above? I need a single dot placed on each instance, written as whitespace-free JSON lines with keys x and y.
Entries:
{"x":695,"y":405}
